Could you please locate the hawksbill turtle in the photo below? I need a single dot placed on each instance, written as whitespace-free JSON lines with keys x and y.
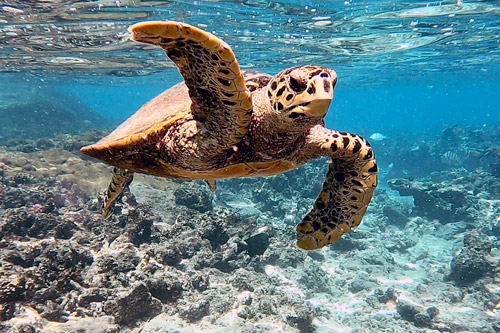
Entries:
{"x":222,"y":122}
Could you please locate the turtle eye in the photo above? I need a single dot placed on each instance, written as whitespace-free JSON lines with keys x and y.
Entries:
{"x":298,"y":82}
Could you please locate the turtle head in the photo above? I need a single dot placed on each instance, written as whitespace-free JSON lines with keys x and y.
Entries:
{"x":301,"y":95}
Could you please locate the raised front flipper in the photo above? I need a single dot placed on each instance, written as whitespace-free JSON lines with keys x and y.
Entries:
{"x":347,"y":191}
{"x":119,"y":183}
{"x":220,"y":99}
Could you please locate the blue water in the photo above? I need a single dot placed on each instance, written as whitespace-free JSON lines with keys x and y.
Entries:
{"x":402,"y":67}
{"x":419,"y":108}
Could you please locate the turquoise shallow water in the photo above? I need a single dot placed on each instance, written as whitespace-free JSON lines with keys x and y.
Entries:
{"x":402,"y":67}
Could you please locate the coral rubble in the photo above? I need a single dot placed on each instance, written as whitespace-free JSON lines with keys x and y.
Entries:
{"x":177,"y":257}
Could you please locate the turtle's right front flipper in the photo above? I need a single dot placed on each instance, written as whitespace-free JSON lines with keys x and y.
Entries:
{"x":119,"y":183}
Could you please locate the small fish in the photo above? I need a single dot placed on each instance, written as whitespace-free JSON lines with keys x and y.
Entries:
{"x":377,"y":137}
{"x":450,"y":158}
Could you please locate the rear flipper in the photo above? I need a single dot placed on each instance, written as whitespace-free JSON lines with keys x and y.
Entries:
{"x":212,"y":185}
{"x":119,"y":183}
{"x":347,"y":190}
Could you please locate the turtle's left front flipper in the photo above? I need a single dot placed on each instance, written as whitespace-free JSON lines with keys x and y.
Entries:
{"x":347,"y":190}
{"x":221,"y":102}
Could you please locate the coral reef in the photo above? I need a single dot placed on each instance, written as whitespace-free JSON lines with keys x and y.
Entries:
{"x":470,"y":263}
{"x":73,"y":263}
{"x":441,"y":201}
{"x":176,"y":257}
{"x":191,"y":195}
{"x":416,"y":314}
{"x":456,"y":147}
{"x":448,"y":196}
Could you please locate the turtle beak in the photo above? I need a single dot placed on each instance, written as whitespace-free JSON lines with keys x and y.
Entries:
{"x":320,"y":100}
{"x":317,"y":108}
